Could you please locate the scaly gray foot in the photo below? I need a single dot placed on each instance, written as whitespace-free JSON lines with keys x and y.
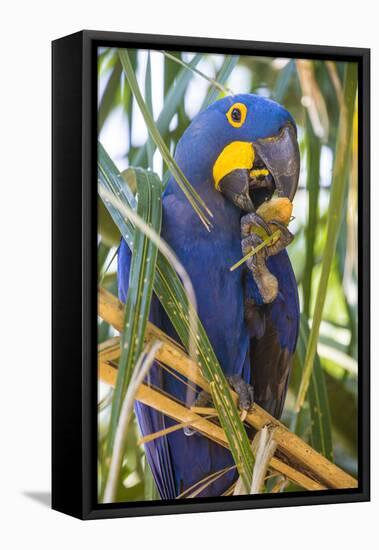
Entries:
{"x":253,"y":230}
{"x":202,"y":400}
{"x":244,"y":391}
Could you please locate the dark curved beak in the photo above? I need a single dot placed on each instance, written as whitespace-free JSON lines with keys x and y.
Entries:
{"x":281,"y":156}
{"x":235,"y":187}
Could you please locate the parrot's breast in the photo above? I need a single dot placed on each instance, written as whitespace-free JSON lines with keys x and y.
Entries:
{"x":207,"y":258}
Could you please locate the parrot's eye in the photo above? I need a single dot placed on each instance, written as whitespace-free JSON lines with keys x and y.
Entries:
{"x":237,"y":114}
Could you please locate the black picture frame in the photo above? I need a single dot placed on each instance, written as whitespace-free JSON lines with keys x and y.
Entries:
{"x":74,"y":294}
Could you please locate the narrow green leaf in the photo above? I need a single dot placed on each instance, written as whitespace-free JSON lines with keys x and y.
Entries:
{"x":109,"y":232}
{"x":127,"y":99}
{"x":344,"y":410}
{"x":225,"y":71}
{"x":352,"y":313}
{"x":191,"y":194}
{"x":108,"y":103}
{"x":321,"y":434}
{"x":103,"y":53}
{"x":337,"y":194}
{"x":113,"y":180}
{"x":313,"y":182}
{"x":137,"y":307}
{"x":214,"y":82}
{"x":344,"y":246}
{"x":283,"y":81}
{"x":149,"y":104}
{"x":173,"y":100}
{"x":170,"y":71}
{"x":102,"y":253}
{"x":321,"y":424}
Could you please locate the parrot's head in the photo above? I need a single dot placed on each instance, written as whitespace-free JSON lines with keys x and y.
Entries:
{"x":247,"y":146}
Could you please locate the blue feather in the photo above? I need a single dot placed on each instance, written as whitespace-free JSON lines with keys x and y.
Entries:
{"x":179,"y":461}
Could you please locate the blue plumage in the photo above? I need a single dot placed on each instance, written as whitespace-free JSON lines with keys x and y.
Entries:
{"x":179,"y":461}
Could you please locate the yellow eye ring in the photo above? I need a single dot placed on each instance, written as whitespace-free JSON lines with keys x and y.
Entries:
{"x":237,"y":115}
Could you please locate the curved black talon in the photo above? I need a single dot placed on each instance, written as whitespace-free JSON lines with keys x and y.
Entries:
{"x":244,"y":391}
{"x":202,"y":400}
{"x":253,"y":220}
{"x":286,"y":238}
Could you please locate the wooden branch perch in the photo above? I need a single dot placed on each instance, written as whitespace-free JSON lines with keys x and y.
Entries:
{"x":295,"y":459}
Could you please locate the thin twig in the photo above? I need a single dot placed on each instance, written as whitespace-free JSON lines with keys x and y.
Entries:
{"x":216,"y":84}
{"x":160,"y":433}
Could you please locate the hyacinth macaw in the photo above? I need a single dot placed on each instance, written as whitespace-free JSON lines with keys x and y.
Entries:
{"x":236,"y":153}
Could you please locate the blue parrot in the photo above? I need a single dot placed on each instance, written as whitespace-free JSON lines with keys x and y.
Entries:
{"x":237,"y":153}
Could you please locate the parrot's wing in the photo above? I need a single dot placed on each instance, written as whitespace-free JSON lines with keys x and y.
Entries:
{"x":149,"y":420}
{"x":270,"y":369}
{"x":274,"y":330}
{"x":157,"y":451}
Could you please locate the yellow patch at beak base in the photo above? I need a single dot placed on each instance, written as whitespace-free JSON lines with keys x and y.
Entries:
{"x":238,"y":155}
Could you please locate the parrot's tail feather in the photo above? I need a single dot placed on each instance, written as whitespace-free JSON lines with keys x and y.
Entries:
{"x":157,"y":451}
{"x":202,"y":484}
{"x":229,"y":491}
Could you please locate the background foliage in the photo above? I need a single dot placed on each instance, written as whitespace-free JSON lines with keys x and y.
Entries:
{"x":311,"y":91}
